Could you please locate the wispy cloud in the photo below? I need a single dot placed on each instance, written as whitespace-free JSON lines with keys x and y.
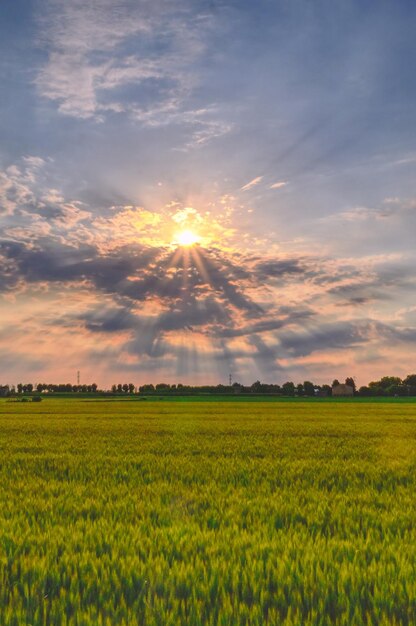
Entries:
{"x":390,"y":208}
{"x":279,"y":185}
{"x":127,"y":59}
{"x":252,"y":183}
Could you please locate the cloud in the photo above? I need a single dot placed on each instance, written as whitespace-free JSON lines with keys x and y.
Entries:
{"x":79,"y":38}
{"x":328,"y":336}
{"x":382,"y":287}
{"x":134,"y":58}
{"x":390,"y":208}
{"x":16,"y":185}
{"x":288,"y":316}
{"x":252,"y":183}
{"x":52,"y":261}
{"x":279,"y":185}
{"x":277,"y":268}
{"x":29,"y":208}
{"x":143,"y":303}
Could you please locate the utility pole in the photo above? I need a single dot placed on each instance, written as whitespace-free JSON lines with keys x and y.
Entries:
{"x":78,"y":377}
{"x":230,"y":378}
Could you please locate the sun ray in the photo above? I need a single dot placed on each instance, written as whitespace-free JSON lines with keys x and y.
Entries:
{"x":185,"y":266}
{"x":200,"y":265}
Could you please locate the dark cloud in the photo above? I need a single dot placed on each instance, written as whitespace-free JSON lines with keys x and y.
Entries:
{"x":285,"y":316}
{"x":193,"y":313}
{"x":279,"y":268}
{"x":52,"y":261}
{"x":109,"y":320}
{"x":148,"y":331}
{"x":408,"y":335}
{"x":383,"y":285}
{"x":223,"y":277}
{"x":342,"y":335}
{"x":329,"y":336}
{"x":394,"y":334}
{"x":202,"y":291}
{"x":136,"y":272}
{"x":320,"y":271}
{"x":358,"y":293}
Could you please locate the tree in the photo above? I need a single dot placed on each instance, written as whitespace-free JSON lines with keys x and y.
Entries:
{"x":147,"y":388}
{"x":350,"y":382}
{"x":114,"y":388}
{"x":288,"y":389}
{"x":19,"y":388}
{"x":29,"y":387}
{"x":410,"y":383}
{"x":327,"y":389}
{"x":309,"y":388}
{"x":381,"y":387}
{"x":335,"y":382}
{"x":299,"y":389}
{"x":125,"y":387}
{"x":131,"y":388}
{"x":376,"y":389}
{"x":396,"y":390}
{"x":388,"y":381}
{"x":5,"y":391}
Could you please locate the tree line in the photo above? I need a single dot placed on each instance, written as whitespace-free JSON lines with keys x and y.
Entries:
{"x":390,"y":386}
{"x":61,"y":388}
{"x":307,"y":388}
{"x":386,"y":386}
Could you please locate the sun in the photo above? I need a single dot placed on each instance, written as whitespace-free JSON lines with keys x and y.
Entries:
{"x":187,"y":238}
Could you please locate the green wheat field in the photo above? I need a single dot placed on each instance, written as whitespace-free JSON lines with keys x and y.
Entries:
{"x":165,"y":513}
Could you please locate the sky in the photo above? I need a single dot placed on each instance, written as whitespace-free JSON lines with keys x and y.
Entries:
{"x":279,"y":136}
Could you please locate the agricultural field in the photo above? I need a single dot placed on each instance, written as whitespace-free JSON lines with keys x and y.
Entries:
{"x":166,"y":513}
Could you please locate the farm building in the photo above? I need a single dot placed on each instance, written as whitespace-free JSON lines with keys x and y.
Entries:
{"x":342,"y":391}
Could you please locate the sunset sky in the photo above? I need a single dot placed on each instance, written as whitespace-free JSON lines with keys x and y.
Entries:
{"x":190,"y":188}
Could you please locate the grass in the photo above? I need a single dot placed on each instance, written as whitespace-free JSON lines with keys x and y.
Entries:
{"x":207,"y":513}
{"x":100,"y":397}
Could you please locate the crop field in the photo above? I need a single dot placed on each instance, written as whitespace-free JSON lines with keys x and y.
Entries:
{"x":207,"y":513}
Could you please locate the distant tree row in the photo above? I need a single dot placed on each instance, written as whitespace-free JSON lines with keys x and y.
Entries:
{"x":123,"y":388}
{"x":390,"y":386}
{"x":386,"y":386}
{"x":61,"y":388}
{"x":288,"y":389}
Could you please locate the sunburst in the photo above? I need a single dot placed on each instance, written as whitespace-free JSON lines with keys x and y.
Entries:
{"x":186,"y":238}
